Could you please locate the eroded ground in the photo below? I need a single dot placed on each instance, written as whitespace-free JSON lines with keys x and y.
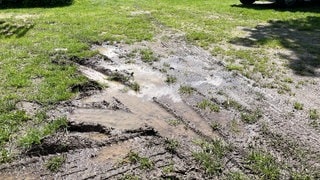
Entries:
{"x":170,"y":109}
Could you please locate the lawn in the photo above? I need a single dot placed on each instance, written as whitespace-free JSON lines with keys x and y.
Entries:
{"x":34,"y":40}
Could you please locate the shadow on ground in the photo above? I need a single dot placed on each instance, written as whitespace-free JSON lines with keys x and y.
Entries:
{"x":9,"y":29}
{"x":12,"y":4}
{"x":301,"y":36}
{"x":304,"y":7}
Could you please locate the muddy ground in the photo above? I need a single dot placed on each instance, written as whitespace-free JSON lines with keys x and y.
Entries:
{"x":170,"y":110}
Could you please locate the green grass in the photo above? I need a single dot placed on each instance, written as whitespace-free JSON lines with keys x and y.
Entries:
{"x":298,"y":106}
{"x":211,"y":155}
{"x":145,"y":163}
{"x":264,"y":165}
{"x":148,"y":56}
{"x":171,"y":79}
{"x":251,"y":117}
{"x":313,"y":114}
{"x":55,"y":163}
{"x":186,"y":90}
{"x":171,"y":145}
{"x":35,"y":134}
{"x":204,"y":104}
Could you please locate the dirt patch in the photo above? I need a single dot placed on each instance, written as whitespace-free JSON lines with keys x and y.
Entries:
{"x":190,"y":118}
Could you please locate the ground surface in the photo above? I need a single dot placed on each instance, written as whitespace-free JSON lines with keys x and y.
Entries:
{"x":181,"y":106}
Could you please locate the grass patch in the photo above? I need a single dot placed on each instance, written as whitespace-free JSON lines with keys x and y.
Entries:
{"x":171,"y":79}
{"x":264,"y":165}
{"x":34,"y":135}
{"x":145,"y":163}
{"x":55,"y":163}
{"x":148,"y":56}
{"x":251,"y":117}
{"x":171,"y":145}
{"x":186,"y":90}
{"x":204,"y":104}
{"x":211,"y":156}
{"x":174,"y":122}
{"x":313,"y":114}
{"x":135,"y":86}
{"x":215,"y":126}
{"x":298,"y":106}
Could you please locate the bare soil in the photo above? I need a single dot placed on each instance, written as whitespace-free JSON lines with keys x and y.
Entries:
{"x":107,"y":125}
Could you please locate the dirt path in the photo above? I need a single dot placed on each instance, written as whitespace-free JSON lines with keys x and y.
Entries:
{"x":185,"y":96}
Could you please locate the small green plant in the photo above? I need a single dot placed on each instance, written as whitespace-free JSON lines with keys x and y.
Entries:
{"x":171,"y":79}
{"x":133,"y":157}
{"x":264,"y":165}
{"x":211,"y":156}
{"x":168,"y":169}
{"x":251,"y":117}
{"x":55,"y":163}
{"x":233,"y":104}
{"x":171,"y":145}
{"x":145,"y":163}
{"x":5,"y":156}
{"x":313,"y":114}
{"x":288,"y":80}
{"x":129,"y":177}
{"x":148,"y":56}
{"x":186,"y":90}
{"x":236,"y":176}
{"x":119,"y":77}
{"x":174,"y":122}
{"x":204,"y":104}
{"x":215,"y":126}
{"x":135,"y":86}
{"x":298,"y":106}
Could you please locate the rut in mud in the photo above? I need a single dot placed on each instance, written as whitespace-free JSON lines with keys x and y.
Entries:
{"x":171,"y":110}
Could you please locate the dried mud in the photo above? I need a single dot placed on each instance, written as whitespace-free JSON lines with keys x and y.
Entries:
{"x":109,"y":124}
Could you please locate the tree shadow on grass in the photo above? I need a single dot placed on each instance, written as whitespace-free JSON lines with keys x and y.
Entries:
{"x":13,"y":4}
{"x":9,"y":29}
{"x":300,"y":36}
{"x":313,"y":6}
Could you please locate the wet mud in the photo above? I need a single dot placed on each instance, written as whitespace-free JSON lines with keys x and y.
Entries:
{"x":151,"y":131}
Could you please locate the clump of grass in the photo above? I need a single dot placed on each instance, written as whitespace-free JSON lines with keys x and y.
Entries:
{"x":168,"y":169}
{"x":211,"y":156}
{"x":34,"y":135}
{"x":264,"y":165}
{"x":171,"y":79}
{"x":251,"y":117}
{"x":234,"y":67}
{"x":145,"y":163}
{"x":9,"y":124}
{"x":236,"y":176}
{"x":186,"y":90}
{"x":233,"y":104}
{"x":129,"y":177}
{"x":148,"y":56}
{"x":119,"y":77}
{"x":313,"y":114}
{"x":204,"y":104}
{"x":298,"y":106}
{"x":5,"y":156}
{"x":215,"y":126}
{"x":55,"y":163}
{"x":173,"y":122}
{"x":135,"y":86}
{"x":171,"y":145}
